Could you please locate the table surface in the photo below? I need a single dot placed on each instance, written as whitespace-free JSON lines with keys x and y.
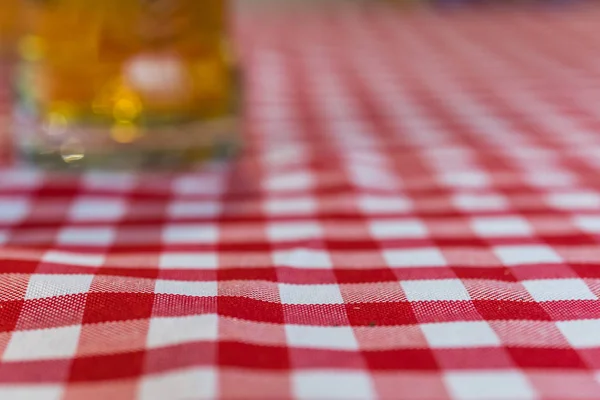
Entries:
{"x":417,"y":216}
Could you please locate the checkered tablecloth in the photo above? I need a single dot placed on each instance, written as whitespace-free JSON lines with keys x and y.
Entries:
{"x":417,"y":216}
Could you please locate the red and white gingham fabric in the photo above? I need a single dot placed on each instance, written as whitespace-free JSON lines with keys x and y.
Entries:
{"x":417,"y":216}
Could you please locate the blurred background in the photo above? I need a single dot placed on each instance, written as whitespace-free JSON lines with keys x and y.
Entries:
{"x":99,"y":82}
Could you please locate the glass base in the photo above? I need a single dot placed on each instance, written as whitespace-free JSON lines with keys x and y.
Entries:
{"x":172,"y":147}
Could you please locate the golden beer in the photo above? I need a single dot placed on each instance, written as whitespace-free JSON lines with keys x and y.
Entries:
{"x":8,"y":25}
{"x":125,"y":82}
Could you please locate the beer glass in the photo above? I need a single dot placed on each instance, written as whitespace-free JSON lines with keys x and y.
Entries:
{"x":125,"y":83}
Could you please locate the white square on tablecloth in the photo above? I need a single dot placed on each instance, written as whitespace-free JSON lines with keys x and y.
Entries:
{"x":301,"y":180}
{"x":397,"y":229}
{"x":188,"y":260}
{"x":493,"y":385}
{"x":480,"y":202}
{"x":168,"y":331}
{"x":43,"y":344}
{"x":193,"y":208}
{"x":551,"y":179}
{"x":526,"y":254}
{"x":190,"y":233}
{"x":302,"y":258}
{"x":460,"y":334}
{"x":588,"y":223}
{"x":581,"y":334}
{"x":372,"y":204}
{"x":21,"y":178}
{"x":97,"y":208}
{"x":13,"y":209}
{"x":372,"y":176}
{"x":285,"y":206}
{"x":81,"y":259}
{"x":435,"y":289}
{"x":332,"y":385}
{"x":86,"y":236}
{"x":193,"y":383}
{"x":310,"y":294}
{"x":50,"y":285}
{"x":282,"y":156}
{"x":27,"y":392}
{"x":321,"y":337}
{"x":501,"y":226}
{"x":186,"y":288}
{"x":293,"y":230}
{"x":112,"y":181}
{"x":569,"y":201}
{"x":471,"y":179}
{"x":558,"y":289}
{"x":204,"y":183}
{"x":423,"y":257}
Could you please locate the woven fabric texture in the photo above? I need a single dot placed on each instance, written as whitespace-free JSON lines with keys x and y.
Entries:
{"x":416,"y":216}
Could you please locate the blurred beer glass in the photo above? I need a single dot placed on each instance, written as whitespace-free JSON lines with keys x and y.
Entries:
{"x":125,"y":83}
